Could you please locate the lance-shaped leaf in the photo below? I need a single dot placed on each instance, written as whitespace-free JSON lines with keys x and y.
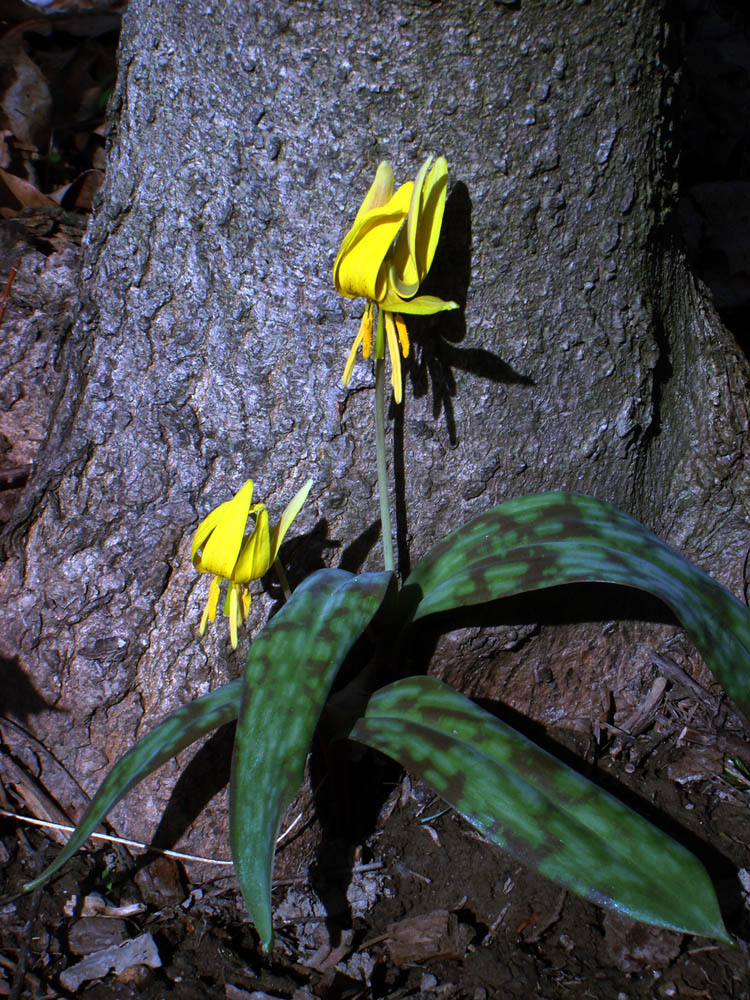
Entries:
{"x":555,"y":538}
{"x":176,"y":732}
{"x":290,"y":669}
{"x":538,"y":809}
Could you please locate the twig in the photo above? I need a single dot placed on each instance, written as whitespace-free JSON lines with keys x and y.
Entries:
{"x":136,"y":843}
{"x":8,"y":284}
{"x":676,"y":673}
{"x":115,"y":840}
{"x":23,"y":952}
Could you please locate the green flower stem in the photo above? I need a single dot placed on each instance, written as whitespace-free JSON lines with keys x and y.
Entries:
{"x":282,"y":578}
{"x":385,"y":513}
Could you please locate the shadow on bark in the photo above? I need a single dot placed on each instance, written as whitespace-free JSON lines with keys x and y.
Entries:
{"x":20,"y":699}
{"x":436,"y":337}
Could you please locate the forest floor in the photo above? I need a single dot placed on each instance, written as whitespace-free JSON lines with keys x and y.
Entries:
{"x":420,"y":907}
{"x":414,"y":903}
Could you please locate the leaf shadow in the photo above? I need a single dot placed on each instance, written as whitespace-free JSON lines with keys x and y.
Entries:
{"x":205,"y":776}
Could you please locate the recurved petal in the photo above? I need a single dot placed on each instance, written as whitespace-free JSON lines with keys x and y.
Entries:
{"x":424,"y":232}
{"x":404,"y":270}
{"x":255,"y":555}
{"x":380,"y":193}
{"x":415,"y":247}
{"x":422,"y":305}
{"x":219,"y":535}
{"x":209,"y":613}
{"x":292,"y":509}
{"x":360,"y":267}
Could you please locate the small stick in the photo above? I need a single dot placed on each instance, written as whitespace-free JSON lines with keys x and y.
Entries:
{"x":115,"y":840}
{"x":23,"y":952}
{"x":137,"y":843}
{"x":8,"y":283}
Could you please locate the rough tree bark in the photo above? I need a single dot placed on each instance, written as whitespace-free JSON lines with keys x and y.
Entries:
{"x":210,"y":344}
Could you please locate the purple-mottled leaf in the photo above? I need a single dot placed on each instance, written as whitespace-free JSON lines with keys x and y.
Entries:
{"x":550,"y":539}
{"x":541,"y":811}
{"x":290,"y":669}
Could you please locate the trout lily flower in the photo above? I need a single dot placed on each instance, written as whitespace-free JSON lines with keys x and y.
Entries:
{"x":386,"y":255}
{"x":223,"y":546}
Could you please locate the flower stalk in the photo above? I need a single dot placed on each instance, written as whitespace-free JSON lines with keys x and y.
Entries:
{"x":385,"y":257}
{"x":385,"y":510}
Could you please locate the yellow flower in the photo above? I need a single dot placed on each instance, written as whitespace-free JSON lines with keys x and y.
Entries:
{"x":386,"y":261}
{"x":222,"y":547}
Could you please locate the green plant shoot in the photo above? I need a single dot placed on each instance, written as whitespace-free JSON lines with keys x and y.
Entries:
{"x":518,"y":796}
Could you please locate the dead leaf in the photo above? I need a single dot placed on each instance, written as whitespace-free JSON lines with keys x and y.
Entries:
{"x":80,"y":193}
{"x":141,"y":950}
{"x":17,"y":780}
{"x":435,"y":935}
{"x":16,"y":193}
{"x":26,"y":103}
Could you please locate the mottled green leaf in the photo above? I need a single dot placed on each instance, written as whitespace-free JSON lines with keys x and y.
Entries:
{"x":555,"y":538}
{"x":290,"y":669}
{"x":538,"y":809}
{"x":176,"y":732}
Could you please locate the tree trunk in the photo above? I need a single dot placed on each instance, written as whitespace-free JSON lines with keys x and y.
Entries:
{"x":211,"y":345}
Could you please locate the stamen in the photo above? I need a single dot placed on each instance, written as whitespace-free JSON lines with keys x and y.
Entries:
{"x":366,"y":330}
{"x":234,"y":613}
{"x":403,"y":335}
{"x":395,"y":354}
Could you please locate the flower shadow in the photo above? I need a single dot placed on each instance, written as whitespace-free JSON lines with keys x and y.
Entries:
{"x":436,"y":337}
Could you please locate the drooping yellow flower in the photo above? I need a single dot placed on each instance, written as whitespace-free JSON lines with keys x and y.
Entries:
{"x":386,"y":255}
{"x":222,"y":547}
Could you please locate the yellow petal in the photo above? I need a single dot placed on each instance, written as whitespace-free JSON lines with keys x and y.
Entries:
{"x":395,"y":354}
{"x":292,"y":509}
{"x":404,"y":272}
{"x":254,"y":559}
{"x":380,"y":193}
{"x":360,"y":267}
{"x":424,"y":239}
{"x":415,"y":248}
{"x":349,"y":366}
{"x":220,"y":535}
{"x":422,"y":305}
{"x":213,"y":599}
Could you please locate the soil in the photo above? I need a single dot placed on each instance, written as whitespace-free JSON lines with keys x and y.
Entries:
{"x":419,"y":907}
{"x":389,"y":895}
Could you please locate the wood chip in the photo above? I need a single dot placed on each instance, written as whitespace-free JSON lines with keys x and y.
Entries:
{"x":139,"y":951}
{"x":435,"y":935}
